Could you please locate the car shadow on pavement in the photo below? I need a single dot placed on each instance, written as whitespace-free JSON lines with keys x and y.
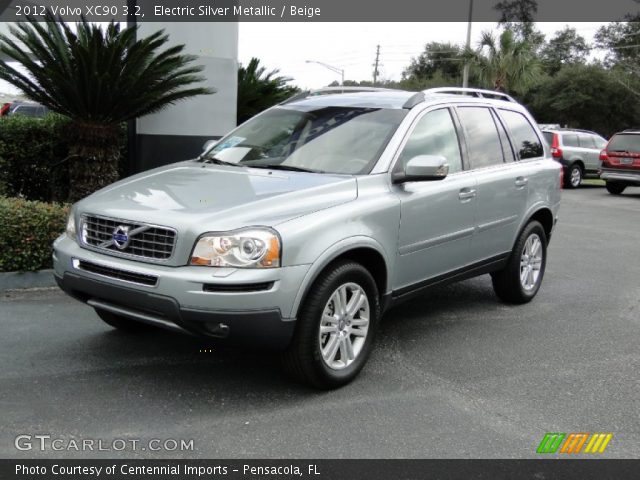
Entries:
{"x":193,"y":367}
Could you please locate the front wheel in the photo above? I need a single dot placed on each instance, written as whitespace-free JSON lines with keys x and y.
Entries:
{"x":335,"y":327}
{"x":615,"y":188}
{"x":520,"y":280}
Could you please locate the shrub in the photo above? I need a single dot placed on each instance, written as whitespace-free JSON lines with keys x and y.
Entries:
{"x":27,"y":231}
{"x":33,"y":153}
{"x":31,"y":150}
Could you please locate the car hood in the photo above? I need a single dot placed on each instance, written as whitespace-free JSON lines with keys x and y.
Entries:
{"x":203,"y":197}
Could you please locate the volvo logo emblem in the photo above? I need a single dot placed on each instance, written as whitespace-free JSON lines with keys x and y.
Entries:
{"x":121,"y":237}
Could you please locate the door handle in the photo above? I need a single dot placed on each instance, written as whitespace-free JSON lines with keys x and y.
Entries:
{"x":521,"y":182}
{"x":467,"y":193}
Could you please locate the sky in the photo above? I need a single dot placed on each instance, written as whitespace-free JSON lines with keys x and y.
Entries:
{"x":352,"y":46}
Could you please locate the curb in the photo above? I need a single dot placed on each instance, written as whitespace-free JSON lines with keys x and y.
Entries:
{"x":22,"y":280}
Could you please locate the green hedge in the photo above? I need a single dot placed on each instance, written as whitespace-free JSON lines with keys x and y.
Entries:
{"x":27,"y":230}
{"x":32,"y":154}
{"x":30,"y":148}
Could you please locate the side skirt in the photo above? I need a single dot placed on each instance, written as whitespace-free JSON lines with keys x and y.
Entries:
{"x":486,"y":266}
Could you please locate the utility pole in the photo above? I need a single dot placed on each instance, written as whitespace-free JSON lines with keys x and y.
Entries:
{"x":465,"y":72}
{"x":376,"y":72}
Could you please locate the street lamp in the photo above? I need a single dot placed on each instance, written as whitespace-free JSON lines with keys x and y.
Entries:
{"x":333,"y":69}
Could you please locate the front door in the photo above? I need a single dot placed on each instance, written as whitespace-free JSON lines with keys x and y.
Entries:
{"x":437,"y":217}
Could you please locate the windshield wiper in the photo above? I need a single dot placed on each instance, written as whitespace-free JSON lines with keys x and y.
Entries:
{"x":217,"y":161}
{"x":277,"y":166}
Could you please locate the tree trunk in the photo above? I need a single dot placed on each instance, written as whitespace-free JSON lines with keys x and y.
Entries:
{"x":94,"y":158}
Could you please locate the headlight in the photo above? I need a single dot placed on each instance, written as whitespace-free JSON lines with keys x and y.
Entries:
{"x":251,"y":248}
{"x":71,"y":225}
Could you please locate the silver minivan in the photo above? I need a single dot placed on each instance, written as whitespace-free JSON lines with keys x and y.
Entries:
{"x":301,"y":227}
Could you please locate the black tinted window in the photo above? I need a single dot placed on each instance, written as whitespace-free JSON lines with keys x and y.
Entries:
{"x":527,"y":143}
{"x":507,"y":151}
{"x":482,"y":136}
{"x":434,"y":134}
{"x":624,"y":143}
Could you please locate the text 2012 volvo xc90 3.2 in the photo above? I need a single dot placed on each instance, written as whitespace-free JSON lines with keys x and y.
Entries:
{"x":302,"y":226}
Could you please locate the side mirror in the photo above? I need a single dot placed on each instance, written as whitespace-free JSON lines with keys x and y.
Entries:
{"x":208,"y":144}
{"x":422,"y":168}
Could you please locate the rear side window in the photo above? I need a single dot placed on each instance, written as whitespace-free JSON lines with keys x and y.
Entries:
{"x":600,"y":142}
{"x":483,"y":142}
{"x":548,"y":136}
{"x":586,"y":141}
{"x":624,"y":143}
{"x":570,"y":140}
{"x":526,"y":141}
{"x":507,"y":151}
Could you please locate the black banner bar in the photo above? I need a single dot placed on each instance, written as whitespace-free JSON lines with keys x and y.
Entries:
{"x":310,"y":10}
{"x":600,"y":469}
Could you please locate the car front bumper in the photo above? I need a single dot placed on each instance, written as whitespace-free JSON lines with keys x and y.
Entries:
{"x":626,"y":176}
{"x":241,"y":306}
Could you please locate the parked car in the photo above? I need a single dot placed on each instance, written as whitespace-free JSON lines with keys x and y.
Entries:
{"x":28,"y":109}
{"x":302,"y":226}
{"x":621,"y":161}
{"x":578,"y":151}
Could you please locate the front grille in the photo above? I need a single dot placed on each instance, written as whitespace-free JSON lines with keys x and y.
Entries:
{"x":110,"y":272}
{"x":130,"y":238}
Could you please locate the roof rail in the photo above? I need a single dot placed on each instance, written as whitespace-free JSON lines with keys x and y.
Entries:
{"x":332,"y":91}
{"x":568,"y":129}
{"x":472,"y":92}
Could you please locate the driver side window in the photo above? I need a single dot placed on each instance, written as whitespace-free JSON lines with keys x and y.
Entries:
{"x":435,"y":134}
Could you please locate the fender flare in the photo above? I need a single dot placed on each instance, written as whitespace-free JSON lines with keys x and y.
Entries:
{"x":329,"y":255}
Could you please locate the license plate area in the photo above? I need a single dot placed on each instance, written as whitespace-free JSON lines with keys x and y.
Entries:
{"x":626,"y":161}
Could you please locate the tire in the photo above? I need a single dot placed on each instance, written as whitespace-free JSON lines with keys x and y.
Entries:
{"x":615,"y":188}
{"x":573,"y":177}
{"x":304,"y":358}
{"x":508,"y":283}
{"x":122,"y":323}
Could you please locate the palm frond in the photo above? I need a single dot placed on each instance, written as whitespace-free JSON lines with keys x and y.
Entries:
{"x":97,"y":75}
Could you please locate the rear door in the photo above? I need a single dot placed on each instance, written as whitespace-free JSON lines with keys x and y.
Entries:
{"x":502,"y":182}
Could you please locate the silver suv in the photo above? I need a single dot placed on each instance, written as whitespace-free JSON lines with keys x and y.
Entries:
{"x":302,"y":226}
{"x":578,"y":151}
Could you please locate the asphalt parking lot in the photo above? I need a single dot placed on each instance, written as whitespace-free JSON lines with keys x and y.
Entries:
{"x":454,"y":373}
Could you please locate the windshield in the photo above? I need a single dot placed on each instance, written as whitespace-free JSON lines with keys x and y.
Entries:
{"x":343,"y":140}
{"x":624,"y":143}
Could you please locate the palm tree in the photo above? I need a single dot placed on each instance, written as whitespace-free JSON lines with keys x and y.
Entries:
{"x":99,"y":78}
{"x":259,"y":89}
{"x":504,"y":64}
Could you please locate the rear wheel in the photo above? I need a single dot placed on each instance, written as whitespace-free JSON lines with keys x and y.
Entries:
{"x":615,"y":188}
{"x":122,"y":323}
{"x":520,"y":280}
{"x":335,"y":327}
{"x":574,"y":175}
